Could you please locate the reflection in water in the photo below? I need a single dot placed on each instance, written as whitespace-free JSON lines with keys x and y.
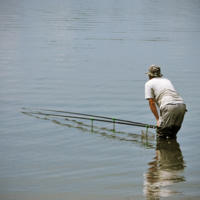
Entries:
{"x":164,"y":170}
{"x":144,"y":140}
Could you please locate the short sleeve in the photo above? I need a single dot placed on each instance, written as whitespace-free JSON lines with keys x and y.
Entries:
{"x":148,"y":91}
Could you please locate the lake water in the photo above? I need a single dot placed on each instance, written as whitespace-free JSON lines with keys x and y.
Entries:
{"x":91,"y":57}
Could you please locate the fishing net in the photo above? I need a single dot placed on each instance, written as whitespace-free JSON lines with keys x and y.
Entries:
{"x":147,"y":135}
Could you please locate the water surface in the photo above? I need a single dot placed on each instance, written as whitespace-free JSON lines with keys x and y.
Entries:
{"x":91,"y":57}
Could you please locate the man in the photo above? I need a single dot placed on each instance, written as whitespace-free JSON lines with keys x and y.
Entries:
{"x":160,"y":91}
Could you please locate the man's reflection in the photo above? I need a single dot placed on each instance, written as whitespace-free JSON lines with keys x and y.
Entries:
{"x":164,"y":170}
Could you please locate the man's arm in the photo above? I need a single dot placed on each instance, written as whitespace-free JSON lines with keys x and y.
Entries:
{"x":153,"y":108}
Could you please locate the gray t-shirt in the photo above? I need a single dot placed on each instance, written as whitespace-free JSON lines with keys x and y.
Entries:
{"x":162,"y":91}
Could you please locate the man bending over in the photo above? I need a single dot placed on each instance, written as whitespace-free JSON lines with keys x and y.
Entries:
{"x":160,"y":91}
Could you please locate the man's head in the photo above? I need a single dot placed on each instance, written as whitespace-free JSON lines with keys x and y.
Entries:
{"x":154,"y":71}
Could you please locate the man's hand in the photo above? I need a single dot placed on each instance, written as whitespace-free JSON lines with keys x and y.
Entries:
{"x":153,"y":108}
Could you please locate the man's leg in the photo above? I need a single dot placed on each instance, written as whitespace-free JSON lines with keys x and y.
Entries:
{"x":171,"y":118}
{"x":181,"y":108}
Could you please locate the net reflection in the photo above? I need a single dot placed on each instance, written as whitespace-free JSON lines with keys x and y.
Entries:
{"x":146,"y":141}
{"x":165,"y":169}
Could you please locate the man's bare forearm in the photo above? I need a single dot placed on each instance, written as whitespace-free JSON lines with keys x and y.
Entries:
{"x":154,"y":110}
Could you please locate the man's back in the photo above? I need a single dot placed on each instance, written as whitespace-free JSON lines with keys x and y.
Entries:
{"x":162,"y":90}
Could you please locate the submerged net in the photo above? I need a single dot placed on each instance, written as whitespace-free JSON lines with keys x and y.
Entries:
{"x":146,"y":134}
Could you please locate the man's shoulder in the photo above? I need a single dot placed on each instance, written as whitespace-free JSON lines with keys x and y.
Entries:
{"x":151,"y":81}
{"x":156,"y":82}
{"x":157,"y":79}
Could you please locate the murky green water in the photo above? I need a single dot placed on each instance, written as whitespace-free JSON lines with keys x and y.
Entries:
{"x":91,"y":57}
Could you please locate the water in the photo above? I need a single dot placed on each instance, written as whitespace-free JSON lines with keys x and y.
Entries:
{"x":91,"y":57}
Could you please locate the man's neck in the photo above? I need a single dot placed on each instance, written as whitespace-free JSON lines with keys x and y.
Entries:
{"x":150,"y":77}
